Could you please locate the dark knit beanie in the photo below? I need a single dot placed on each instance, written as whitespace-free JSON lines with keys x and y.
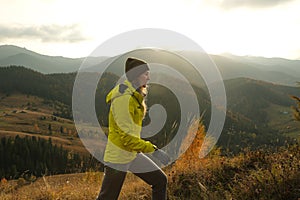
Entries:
{"x":134,"y":68}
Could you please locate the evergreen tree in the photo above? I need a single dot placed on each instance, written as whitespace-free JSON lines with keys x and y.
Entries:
{"x":61,"y":130}
{"x":50,"y":129}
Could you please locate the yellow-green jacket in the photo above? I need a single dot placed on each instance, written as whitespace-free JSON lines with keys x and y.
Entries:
{"x":125,"y":124}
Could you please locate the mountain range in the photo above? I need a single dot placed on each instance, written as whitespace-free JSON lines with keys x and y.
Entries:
{"x":274,"y":70}
{"x":257,"y":89}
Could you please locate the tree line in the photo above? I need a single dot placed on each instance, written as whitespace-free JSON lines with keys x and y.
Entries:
{"x":38,"y":157}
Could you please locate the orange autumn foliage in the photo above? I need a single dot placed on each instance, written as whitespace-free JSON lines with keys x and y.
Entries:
{"x":191,"y":148}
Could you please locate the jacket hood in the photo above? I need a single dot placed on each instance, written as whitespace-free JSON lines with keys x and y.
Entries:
{"x":125,"y":88}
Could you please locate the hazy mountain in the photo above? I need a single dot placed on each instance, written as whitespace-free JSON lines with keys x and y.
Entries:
{"x":279,"y":69}
{"x":275,"y":70}
{"x":13,"y":55}
{"x":235,"y":67}
{"x":10,"y":50}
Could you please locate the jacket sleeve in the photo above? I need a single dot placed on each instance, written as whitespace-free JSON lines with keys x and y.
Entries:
{"x":123,"y":114}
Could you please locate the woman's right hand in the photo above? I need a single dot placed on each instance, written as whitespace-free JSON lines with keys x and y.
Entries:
{"x":162,"y":156}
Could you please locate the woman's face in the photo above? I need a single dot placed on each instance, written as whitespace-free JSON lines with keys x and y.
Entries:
{"x":143,"y":78}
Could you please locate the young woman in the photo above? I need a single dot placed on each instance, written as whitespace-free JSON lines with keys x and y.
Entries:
{"x":125,"y":148}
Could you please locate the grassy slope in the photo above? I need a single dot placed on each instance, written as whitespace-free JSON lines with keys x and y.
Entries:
{"x":261,"y":174}
{"x":26,"y":115}
{"x":79,"y":186}
{"x":251,"y":175}
{"x":281,"y":119}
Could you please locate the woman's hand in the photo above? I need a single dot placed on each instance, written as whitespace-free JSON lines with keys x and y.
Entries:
{"x":161,"y":156}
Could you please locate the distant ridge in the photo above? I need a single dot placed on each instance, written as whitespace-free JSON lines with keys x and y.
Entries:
{"x":290,"y":67}
{"x":13,"y":55}
{"x":275,"y":70}
{"x":10,"y":50}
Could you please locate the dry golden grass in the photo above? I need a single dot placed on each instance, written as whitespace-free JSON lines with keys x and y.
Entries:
{"x":250,"y":175}
{"x":72,"y":186}
{"x":83,"y":186}
{"x":87,"y":185}
{"x":135,"y":189}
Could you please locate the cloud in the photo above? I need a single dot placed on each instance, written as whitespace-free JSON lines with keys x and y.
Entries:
{"x":45,"y":33}
{"x":229,"y":4}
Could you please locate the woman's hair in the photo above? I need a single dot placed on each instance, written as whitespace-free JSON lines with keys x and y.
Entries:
{"x":143,"y":90}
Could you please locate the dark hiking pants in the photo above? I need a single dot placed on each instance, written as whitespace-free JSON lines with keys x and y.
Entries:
{"x":114,"y":176}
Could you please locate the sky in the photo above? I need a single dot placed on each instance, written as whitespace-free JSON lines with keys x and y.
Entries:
{"x":267,"y":28}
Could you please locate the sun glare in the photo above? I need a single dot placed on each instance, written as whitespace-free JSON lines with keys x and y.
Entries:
{"x":267,"y":32}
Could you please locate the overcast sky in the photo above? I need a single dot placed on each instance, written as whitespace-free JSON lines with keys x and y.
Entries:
{"x":268,"y":28}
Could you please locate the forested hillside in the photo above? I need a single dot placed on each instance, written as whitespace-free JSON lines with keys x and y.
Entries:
{"x":249,"y":103}
{"x":37,"y":156}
